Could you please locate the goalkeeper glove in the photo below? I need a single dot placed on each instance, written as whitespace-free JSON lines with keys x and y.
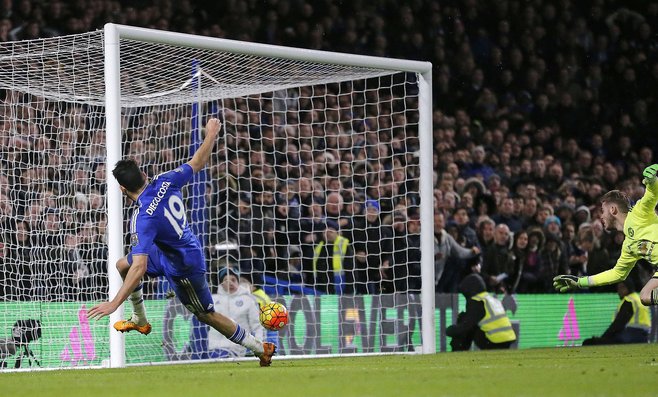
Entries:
{"x":649,"y":174}
{"x":565,"y":283}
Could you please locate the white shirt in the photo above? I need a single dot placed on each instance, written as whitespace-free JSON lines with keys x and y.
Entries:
{"x":242,"y":307}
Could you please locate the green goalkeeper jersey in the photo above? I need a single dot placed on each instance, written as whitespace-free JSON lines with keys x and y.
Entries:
{"x":641,"y":238}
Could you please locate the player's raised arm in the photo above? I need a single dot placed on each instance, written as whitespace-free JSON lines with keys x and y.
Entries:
{"x":202,"y":154}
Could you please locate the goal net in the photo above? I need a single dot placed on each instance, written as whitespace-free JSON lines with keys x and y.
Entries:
{"x":312,"y":194}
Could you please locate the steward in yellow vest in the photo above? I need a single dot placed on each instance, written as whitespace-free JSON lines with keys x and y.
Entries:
{"x":484,"y":322}
{"x":333,"y":262}
{"x":261,"y":296}
{"x":632,"y":320}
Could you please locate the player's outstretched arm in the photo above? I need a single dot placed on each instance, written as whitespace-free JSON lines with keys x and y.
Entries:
{"x":202,"y":154}
{"x":132,"y":280}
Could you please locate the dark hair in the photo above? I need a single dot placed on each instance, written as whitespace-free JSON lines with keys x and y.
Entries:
{"x":486,"y":199}
{"x":518,"y":234}
{"x":619,"y":198}
{"x":128,"y":175}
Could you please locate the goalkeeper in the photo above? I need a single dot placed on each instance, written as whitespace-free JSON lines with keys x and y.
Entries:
{"x":640,"y":227}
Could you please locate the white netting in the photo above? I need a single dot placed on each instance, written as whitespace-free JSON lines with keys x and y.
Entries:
{"x":53,"y":194}
{"x":307,"y":148}
{"x":152,"y":73}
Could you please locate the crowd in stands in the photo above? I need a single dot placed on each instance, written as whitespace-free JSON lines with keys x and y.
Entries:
{"x":540,"y":107}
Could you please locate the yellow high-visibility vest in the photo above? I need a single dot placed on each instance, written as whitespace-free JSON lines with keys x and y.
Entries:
{"x":339,"y":251}
{"x":261,"y":297}
{"x":495,"y":324}
{"x":641,"y":315}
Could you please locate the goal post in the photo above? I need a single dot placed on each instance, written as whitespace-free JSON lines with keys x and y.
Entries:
{"x":115,"y":224}
{"x":312,"y":142}
{"x":425,"y":135}
{"x":378,"y":66}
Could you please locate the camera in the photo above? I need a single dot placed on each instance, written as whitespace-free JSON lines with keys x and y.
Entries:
{"x":26,"y":331}
{"x":23,"y":332}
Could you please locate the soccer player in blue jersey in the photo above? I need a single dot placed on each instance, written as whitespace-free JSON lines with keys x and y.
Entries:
{"x":159,"y":220}
{"x":639,"y":224}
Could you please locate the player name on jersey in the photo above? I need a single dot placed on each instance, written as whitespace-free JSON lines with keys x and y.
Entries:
{"x":158,"y":197}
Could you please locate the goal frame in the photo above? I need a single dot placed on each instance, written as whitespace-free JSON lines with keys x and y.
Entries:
{"x":113,"y":33}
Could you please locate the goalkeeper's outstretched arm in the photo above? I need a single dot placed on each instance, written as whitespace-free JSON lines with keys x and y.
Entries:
{"x":202,"y":154}
{"x":622,"y":268}
{"x":624,"y":265}
{"x":648,"y":202}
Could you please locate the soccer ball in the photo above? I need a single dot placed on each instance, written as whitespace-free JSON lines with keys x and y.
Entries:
{"x":273,"y":316}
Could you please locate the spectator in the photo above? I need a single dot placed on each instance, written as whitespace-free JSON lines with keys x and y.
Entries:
{"x":553,"y":225}
{"x":530,"y":208}
{"x":566,"y":214}
{"x":521,"y":255}
{"x":74,"y":271}
{"x":447,"y":251}
{"x":286,"y":234}
{"x":90,"y":275}
{"x":596,"y":258}
{"x":485,"y":233}
{"x":531,"y":271}
{"x":582,"y":215}
{"x":506,"y":215}
{"x":353,"y":211}
{"x":485,"y":205}
{"x":579,"y":255}
{"x":466,"y":237}
{"x":404,"y":274}
{"x":240,"y":226}
{"x":477,"y":166}
{"x":407,"y":258}
{"x":373,"y":246}
{"x":333,"y":207}
{"x":569,"y":239}
{"x":542,"y":214}
{"x":498,"y":268}
{"x":18,"y":263}
{"x":553,"y":261}
{"x":47,"y":256}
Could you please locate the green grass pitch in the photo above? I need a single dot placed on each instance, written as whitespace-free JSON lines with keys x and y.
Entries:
{"x":592,"y":371}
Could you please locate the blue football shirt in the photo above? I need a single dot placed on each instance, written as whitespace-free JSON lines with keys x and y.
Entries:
{"x":160,"y":219}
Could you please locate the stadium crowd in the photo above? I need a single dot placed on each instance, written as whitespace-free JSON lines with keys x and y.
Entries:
{"x":538,"y":111}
